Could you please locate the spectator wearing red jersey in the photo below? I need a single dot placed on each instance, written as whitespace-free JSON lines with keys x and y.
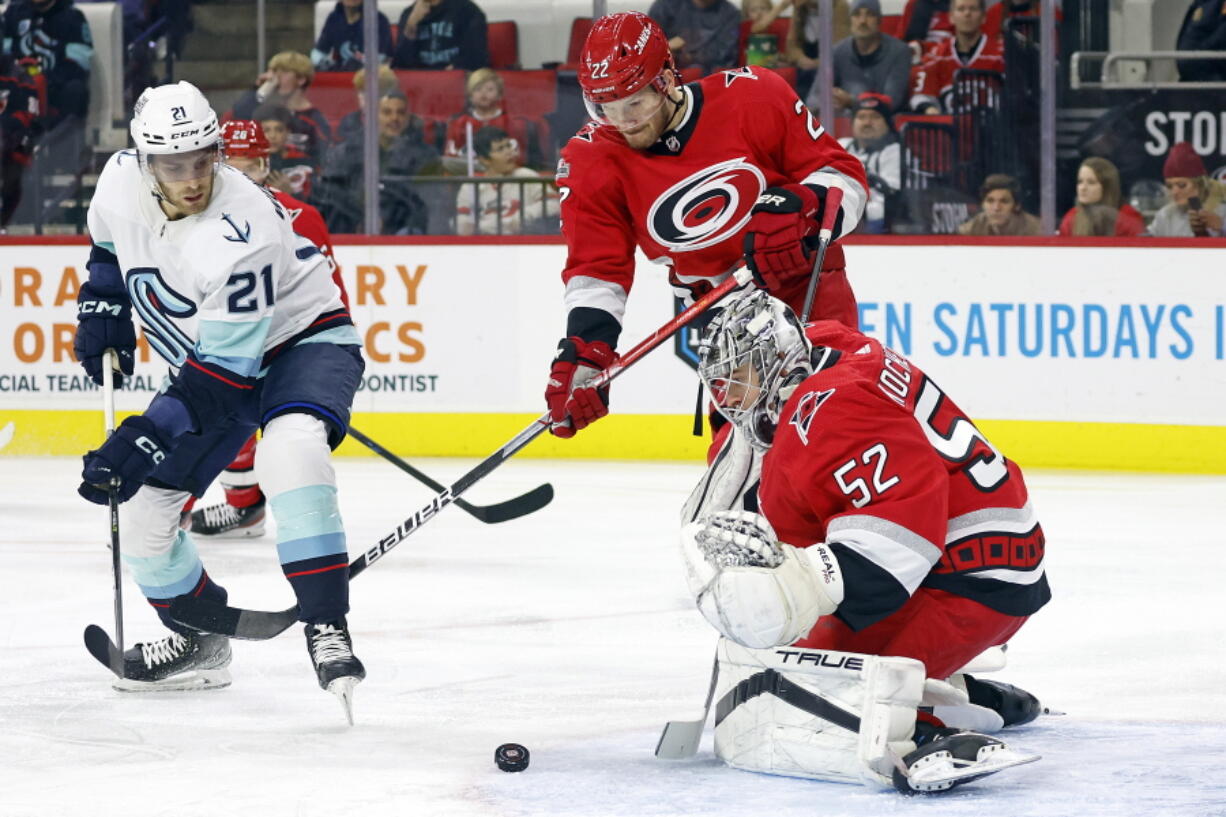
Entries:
{"x":286,"y":81}
{"x":19,"y":112}
{"x":925,"y":25}
{"x":1098,"y":210}
{"x":933,"y":80}
{"x":487,"y":106}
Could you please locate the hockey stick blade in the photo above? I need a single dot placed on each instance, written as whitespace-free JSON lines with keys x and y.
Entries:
{"x":101,"y":647}
{"x":235,"y":622}
{"x":534,"y":500}
{"x":680,"y":739}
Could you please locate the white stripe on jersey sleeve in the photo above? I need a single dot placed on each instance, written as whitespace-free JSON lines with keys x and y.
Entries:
{"x":1012,"y":575}
{"x":854,"y":196}
{"x":902,"y":553}
{"x":584,"y":290}
{"x":992,"y":520}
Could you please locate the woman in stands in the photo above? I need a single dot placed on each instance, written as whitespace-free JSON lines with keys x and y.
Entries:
{"x":487,"y":106}
{"x":1197,"y":206}
{"x":1098,"y":210}
{"x":804,"y":32}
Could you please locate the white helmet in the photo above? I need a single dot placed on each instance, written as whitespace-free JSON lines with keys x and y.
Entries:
{"x":173,"y":119}
{"x":757,"y":348}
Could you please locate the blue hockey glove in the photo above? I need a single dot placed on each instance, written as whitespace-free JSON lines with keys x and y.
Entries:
{"x":103,"y":322}
{"x":130,"y":454}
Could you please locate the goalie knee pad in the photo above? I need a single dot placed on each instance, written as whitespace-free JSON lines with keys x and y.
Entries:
{"x":819,"y":714}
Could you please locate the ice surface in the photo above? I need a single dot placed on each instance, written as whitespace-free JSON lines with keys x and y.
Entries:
{"x":570,"y":631}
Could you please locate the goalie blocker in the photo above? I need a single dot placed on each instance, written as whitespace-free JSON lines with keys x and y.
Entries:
{"x":843,"y":717}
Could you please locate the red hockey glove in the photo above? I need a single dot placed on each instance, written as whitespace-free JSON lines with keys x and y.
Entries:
{"x":572,"y":405}
{"x":781,"y":220}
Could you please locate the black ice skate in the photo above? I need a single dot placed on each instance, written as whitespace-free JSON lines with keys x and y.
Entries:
{"x":1014,"y":704}
{"x":949,"y":757}
{"x":336,"y":667}
{"x":175,"y":663}
{"x":225,"y":520}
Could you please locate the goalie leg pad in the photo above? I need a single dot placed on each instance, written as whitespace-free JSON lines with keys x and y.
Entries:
{"x":818,"y":714}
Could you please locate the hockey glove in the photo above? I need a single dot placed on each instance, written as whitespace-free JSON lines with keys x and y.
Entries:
{"x":103,"y":322}
{"x":776,"y":249}
{"x":572,"y":405}
{"x":129,"y":455}
{"x":751,"y":587}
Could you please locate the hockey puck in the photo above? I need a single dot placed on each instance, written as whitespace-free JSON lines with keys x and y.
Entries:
{"x":511,"y":757}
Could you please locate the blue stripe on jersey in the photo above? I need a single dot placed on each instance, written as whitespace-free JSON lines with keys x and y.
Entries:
{"x":80,"y":54}
{"x":308,"y":523}
{"x":234,"y":346}
{"x":345,"y":335}
{"x":173,"y":573}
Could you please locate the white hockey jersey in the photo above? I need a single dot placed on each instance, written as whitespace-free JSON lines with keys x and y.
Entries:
{"x":230,"y":283}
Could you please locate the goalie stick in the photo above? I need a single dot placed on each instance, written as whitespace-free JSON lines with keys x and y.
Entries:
{"x":534,"y":500}
{"x":825,"y":233}
{"x":258,"y":625}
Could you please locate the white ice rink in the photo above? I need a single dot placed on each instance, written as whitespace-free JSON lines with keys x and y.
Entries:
{"x":570,"y":631}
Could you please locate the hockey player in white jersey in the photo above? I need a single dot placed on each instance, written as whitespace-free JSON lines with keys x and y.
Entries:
{"x":257,"y":337}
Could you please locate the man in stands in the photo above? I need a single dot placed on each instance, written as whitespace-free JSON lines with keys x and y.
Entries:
{"x":705,"y":177}
{"x":340,"y":43}
{"x":442,"y":34}
{"x":246,"y":149}
{"x":286,"y":81}
{"x":875,"y":143}
{"x":868,"y":61}
{"x":970,"y":47}
{"x":701,"y":33}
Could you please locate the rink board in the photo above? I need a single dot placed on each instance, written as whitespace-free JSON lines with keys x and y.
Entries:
{"x":1069,"y":355}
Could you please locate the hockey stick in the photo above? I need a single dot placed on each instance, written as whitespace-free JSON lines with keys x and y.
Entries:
{"x":680,"y":739}
{"x":534,"y":500}
{"x":258,"y":625}
{"x":834,"y":200}
{"x":100,"y":646}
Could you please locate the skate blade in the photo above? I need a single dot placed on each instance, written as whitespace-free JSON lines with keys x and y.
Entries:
{"x":236,"y":533}
{"x":196,"y":680}
{"x":941,"y":770}
{"x":342,"y":688}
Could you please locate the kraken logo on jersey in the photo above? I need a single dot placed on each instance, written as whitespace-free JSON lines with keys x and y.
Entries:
{"x":706,"y":207}
{"x":157,"y":303}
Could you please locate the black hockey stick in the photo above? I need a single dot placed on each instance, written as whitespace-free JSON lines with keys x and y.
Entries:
{"x":258,"y":625}
{"x":534,"y":500}
{"x":834,"y":201}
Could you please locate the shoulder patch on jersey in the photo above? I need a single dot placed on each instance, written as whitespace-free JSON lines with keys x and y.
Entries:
{"x":585,"y":133}
{"x":734,"y":74}
{"x":806,"y":410}
{"x":563,"y":169}
{"x":243,"y":234}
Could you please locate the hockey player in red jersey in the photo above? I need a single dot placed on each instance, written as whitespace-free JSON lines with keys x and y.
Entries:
{"x":884,"y":526}
{"x":932,"y":80}
{"x":704,"y":178}
{"x":242,"y":513}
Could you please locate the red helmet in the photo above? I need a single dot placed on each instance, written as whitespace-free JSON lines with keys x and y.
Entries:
{"x":244,"y":137}
{"x":624,"y":53}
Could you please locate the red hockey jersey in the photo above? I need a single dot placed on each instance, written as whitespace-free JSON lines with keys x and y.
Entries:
{"x":872,"y":458}
{"x":685,"y":201}
{"x":932,"y":81}
{"x":308,"y":223}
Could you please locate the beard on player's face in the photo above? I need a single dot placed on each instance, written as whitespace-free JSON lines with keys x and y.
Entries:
{"x":643,"y":134}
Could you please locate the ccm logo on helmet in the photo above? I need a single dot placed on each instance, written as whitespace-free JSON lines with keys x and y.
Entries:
{"x":707,"y":207}
{"x":184,"y":134}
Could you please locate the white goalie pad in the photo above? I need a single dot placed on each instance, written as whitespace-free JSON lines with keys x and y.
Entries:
{"x":731,"y":478}
{"x":819,"y":714}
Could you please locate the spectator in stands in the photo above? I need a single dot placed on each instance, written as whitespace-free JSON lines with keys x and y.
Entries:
{"x":403,"y":151}
{"x":1005,"y":10}
{"x":868,"y":61}
{"x":505,"y":208}
{"x":757,"y":44}
{"x":804,"y":33}
{"x":1203,"y":29}
{"x":1197,"y":206}
{"x":351,"y":123}
{"x":933,"y":79}
{"x":339,"y":47}
{"x":1001,"y":213}
{"x":875,"y":143}
{"x":288,"y":76}
{"x":51,"y":37}
{"x":442,"y":34}
{"x":18,"y":120}
{"x":701,"y":33}
{"x":925,"y":25}
{"x":292,"y":170}
{"x":1099,"y":210}
{"x":486,"y":106}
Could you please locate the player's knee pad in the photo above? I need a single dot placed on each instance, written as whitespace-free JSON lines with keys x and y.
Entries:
{"x":820,"y":714}
{"x":149,"y":521}
{"x":294,"y":453}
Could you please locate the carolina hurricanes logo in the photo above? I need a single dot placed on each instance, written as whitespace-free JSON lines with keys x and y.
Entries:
{"x":806,"y":410}
{"x":707,"y":207}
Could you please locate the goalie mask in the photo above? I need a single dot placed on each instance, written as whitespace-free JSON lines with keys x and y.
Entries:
{"x":177,"y":122}
{"x":751,"y":358}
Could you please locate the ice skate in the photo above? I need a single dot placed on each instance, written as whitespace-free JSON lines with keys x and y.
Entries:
{"x":223,"y":520}
{"x":176,"y":663}
{"x":949,"y":757}
{"x":336,"y":667}
{"x":1015,"y":705}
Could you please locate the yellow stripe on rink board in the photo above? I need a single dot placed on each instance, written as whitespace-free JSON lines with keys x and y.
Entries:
{"x":1033,"y":444}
